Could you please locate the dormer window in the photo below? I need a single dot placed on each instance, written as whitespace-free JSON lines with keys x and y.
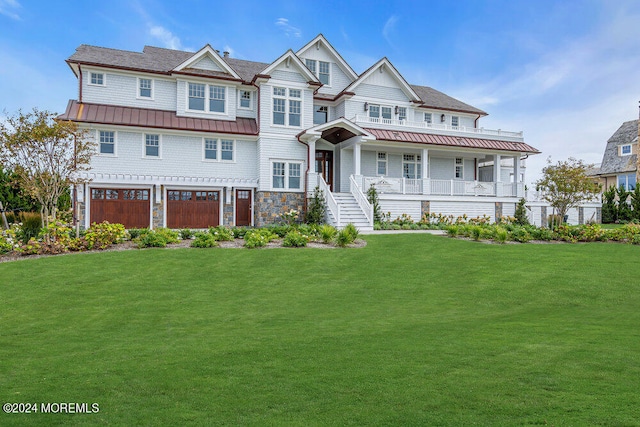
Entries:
{"x":245,"y":99}
{"x":97,"y":79}
{"x":207,"y":98}
{"x":428,"y":118}
{"x":455,"y":121}
{"x":402,"y":113}
{"x":625,"y":150}
{"x":321,"y":69}
{"x":145,"y":88}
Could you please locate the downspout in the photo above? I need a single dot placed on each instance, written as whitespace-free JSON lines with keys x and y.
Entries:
{"x":79,"y":84}
{"x":306,"y":173}
{"x":475,"y":122}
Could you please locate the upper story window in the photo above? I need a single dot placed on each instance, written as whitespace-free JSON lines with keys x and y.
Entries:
{"x":210,"y":149}
{"x":287,"y":106}
{"x":625,"y":150}
{"x":321,"y":69}
{"x":455,"y":121}
{"x":402,"y":113}
{"x":244,"y":97}
{"x":320,"y":114}
{"x":107,"y":142}
{"x":145,"y":88}
{"x":226,"y":149}
{"x":286,"y":176}
{"x":151,"y":145}
{"x":382,"y":163}
{"x":97,"y":79}
{"x":218,"y":149}
{"x":379,"y":112}
{"x":198,"y":95}
{"x":411,"y":166}
{"x":627,"y":181}
{"x":428,"y":118}
{"x":459,"y":168}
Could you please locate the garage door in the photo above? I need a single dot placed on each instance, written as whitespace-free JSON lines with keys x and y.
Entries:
{"x":193,"y":209}
{"x":129,"y":207}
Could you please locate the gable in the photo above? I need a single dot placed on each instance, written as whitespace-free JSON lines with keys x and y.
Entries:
{"x":206,"y":63}
{"x":320,"y":49}
{"x":290,"y":74}
{"x":290,"y":68}
{"x":381,"y":84}
{"x":209,"y":60}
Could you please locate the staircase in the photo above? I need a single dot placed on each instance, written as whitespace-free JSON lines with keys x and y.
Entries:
{"x":350,"y":212}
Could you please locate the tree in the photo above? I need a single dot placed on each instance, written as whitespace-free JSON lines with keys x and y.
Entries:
{"x":521,"y":213}
{"x":565,"y":185}
{"x":44,"y":155}
{"x":624,"y":208}
{"x":609,"y":209}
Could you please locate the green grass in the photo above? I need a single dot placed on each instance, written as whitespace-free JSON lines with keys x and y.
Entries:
{"x":410,"y":330}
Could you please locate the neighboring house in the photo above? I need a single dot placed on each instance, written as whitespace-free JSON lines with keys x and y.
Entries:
{"x":619,"y":162}
{"x":197,"y":139}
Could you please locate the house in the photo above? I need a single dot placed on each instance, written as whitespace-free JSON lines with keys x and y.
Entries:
{"x":198,"y":139}
{"x":619,"y":162}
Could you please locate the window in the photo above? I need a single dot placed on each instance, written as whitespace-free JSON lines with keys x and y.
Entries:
{"x":135,"y":194}
{"x":97,"y":193}
{"x":97,"y":79}
{"x":145,"y":88}
{"x":320,"y":114}
{"x":323,"y":72}
{"x":112,"y":195}
{"x":380,"y":112}
{"x":454,"y":121}
{"x":402,"y":113}
{"x":245,"y":99}
{"x":211,"y":149}
{"x":374,"y":111}
{"x":107,"y":142}
{"x":311,"y":65}
{"x":151,"y":145}
{"x":411,"y":166}
{"x":196,"y":96}
{"x":382,"y":163}
{"x":287,"y":176}
{"x":291,"y":116}
{"x":459,"y":168}
{"x":226,"y":146}
{"x":625,"y":150}
{"x":627,"y":181}
{"x":216,"y":99}
{"x":428,"y":118}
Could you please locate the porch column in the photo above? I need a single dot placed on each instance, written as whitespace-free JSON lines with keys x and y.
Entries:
{"x":426,"y":183}
{"x":516,"y":176}
{"x":496,"y":175}
{"x":312,"y":178}
{"x":356,"y":158}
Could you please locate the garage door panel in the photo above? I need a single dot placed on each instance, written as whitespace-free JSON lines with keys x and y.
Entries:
{"x":193,"y":209}
{"x":129,"y":207}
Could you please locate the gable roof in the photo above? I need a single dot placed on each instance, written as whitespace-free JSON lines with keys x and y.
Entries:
{"x":432,"y":98}
{"x":380,"y":65}
{"x":612,"y":163}
{"x":287,"y":58}
{"x":206,"y":52}
{"x":321,"y":40}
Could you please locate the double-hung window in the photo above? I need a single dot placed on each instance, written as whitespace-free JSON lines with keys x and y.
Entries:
{"x":380,"y":114}
{"x":226,"y":149}
{"x":210,"y":149}
{"x":628,"y":181}
{"x":107,"y":142}
{"x":321,"y":69}
{"x":216,"y":99}
{"x":455,"y":122}
{"x":218,"y":149}
{"x":286,"y":175}
{"x":245,"y":99}
{"x":151,"y":145}
{"x":311,"y":65}
{"x":287,"y":106}
{"x":411,"y":166}
{"x":207,"y":98}
{"x":459,"y":168}
{"x":196,"y":96}
{"x":145,"y":88}
{"x":320,"y":114}
{"x":96,"y":79}
{"x":428,"y":118}
{"x":402,"y":113}
{"x":382,"y":163}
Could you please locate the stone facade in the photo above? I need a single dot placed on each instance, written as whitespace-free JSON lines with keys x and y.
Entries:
{"x":581,"y":215}
{"x":227,"y":214}
{"x":425,"y":208}
{"x":543,"y":215}
{"x":158,"y":214}
{"x":498,"y":210}
{"x":270,"y":205}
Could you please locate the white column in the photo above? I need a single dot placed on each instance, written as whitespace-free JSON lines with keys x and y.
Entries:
{"x":426,"y":184}
{"x":496,"y":168}
{"x":312,"y":177}
{"x":356,"y":158}
{"x":516,"y":175}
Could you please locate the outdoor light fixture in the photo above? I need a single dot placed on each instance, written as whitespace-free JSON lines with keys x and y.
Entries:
{"x":366,"y":106}
{"x":442,"y":118}
{"x":396,"y":110}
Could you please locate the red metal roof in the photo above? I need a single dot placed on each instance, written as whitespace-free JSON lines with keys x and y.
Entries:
{"x":142,"y":117}
{"x":452,"y":141}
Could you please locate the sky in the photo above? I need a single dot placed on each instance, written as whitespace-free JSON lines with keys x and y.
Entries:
{"x":566,"y":73}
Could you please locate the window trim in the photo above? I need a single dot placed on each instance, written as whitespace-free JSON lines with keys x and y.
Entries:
{"x":219,"y":158}
{"x":146,"y":98}
{"x":380,"y":118}
{"x":417,"y":162}
{"x":430,"y":121}
{"x":286,"y":177}
{"x":115,"y":143}
{"x":287,"y":106}
{"x":144,"y":146}
{"x":104,"y":79}
{"x":316,"y":69}
{"x":379,"y":161}
{"x":316,"y":109}
{"x":250,"y":92}
{"x":456,"y":126}
{"x":457,"y":165}
{"x":626,"y":181}
{"x":622,"y":147}
{"x":207,"y":99}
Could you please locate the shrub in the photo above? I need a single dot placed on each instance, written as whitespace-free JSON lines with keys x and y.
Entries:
{"x":104,"y":234}
{"x":204,"y":240}
{"x":257,"y":238}
{"x":239,"y":232}
{"x":221,"y":233}
{"x":134,"y":233}
{"x":295,"y":239}
{"x":186,"y":234}
{"x":279,"y":230}
{"x":347,"y":235}
{"x":521,"y":213}
{"x":452,"y":230}
{"x":31,"y":226}
{"x":609,"y":211}
{"x":327,"y":233}
{"x":316,"y":207}
{"x":554,"y":221}
{"x":290,"y":217}
{"x":475,"y":232}
{"x":374,"y":200}
{"x":169,"y":236}
{"x":520,"y":234}
{"x":501,"y":235}
{"x":8,"y":239}
{"x":636,"y":239}
{"x":541,"y":234}
{"x":152,"y":239}
{"x":353,"y":231}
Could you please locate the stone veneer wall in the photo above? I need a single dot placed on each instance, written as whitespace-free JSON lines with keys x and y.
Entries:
{"x":425,"y":208}
{"x":158,"y":214}
{"x":543,"y":216}
{"x":271,"y":204}
{"x":227,"y":214}
{"x":498,"y":210}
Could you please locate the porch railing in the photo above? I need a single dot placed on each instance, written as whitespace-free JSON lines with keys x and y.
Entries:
{"x":358,"y":194}
{"x":441,"y":187}
{"x":332,"y":205}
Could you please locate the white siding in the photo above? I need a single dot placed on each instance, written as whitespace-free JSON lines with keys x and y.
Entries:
{"x":290,"y":76}
{"x":340,"y":110}
{"x":456,"y":209}
{"x":508,"y":209}
{"x":381,"y":92}
{"x":285,"y":149}
{"x":207,"y":63}
{"x":338,"y":79}
{"x":441,"y":168}
{"x":346,"y":169}
{"x":398,"y":207}
{"x":251,"y":113}
{"x":231,"y":103}
{"x":122,"y":89}
{"x":369,"y":163}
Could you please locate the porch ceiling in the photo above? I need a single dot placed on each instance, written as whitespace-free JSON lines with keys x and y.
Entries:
{"x":336,"y":135}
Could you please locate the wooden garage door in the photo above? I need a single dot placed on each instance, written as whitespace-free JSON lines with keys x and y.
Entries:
{"x":129,"y":207}
{"x":193,"y":209}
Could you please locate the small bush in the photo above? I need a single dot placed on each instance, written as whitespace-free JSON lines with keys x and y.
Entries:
{"x":316,"y":207}
{"x":636,"y":239}
{"x":134,"y":233}
{"x":221,"y":233}
{"x":104,"y":234}
{"x":257,"y":238}
{"x":328,"y":233}
{"x":31,"y":226}
{"x":186,"y":234}
{"x":239,"y":232}
{"x":520,"y":234}
{"x":204,"y":240}
{"x":152,"y":239}
{"x":295,"y":239}
{"x":169,"y":236}
{"x":501,"y":235}
{"x":476,"y":231}
{"x":347,"y":235}
{"x":353,"y":231}
{"x":452,"y":230}
{"x":554,"y":221}
{"x":279,"y":230}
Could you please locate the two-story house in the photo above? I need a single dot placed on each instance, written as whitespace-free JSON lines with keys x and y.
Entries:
{"x":619,"y":162}
{"x":197,"y":139}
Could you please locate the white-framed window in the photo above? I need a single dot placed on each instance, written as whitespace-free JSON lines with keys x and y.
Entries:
{"x":402,"y":113}
{"x":625,"y":150}
{"x":382,"y":163}
{"x":320,"y":114}
{"x":321,"y":69}
{"x":459,"y":168}
{"x":107,"y":142}
{"x":145,"y":88}
{"x":286,"y":175}
{"x":412,"y":166}
{"x":455,"y":121}
{"x":428,"y":118}
{"x":151,"y":145}
{"x":382,"y":113}
{"x":214,"y":149}
{"x":244,"y":99}
{"x":206,"y":98}
{"x":287,"y":107}
{"x":97,"y":79}
{"x":628,"y":181}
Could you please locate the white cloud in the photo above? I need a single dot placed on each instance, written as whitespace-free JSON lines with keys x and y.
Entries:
{"x":289,"y":30}
{"x":389,"y":26}
{"x":168,"y":39}
{"x":9,"y":8}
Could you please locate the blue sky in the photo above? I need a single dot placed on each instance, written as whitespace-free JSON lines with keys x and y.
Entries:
{"x":567,"y":73}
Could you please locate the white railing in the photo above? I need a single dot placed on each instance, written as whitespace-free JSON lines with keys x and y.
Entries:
{"x":330,"y":200}
{"x":360,"y":118}
{"x":393,"y":185}
{"x":364,"y":204}
{"x":440,"y":187}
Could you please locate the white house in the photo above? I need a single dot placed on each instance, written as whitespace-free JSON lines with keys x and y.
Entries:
{"x":196,"y":139}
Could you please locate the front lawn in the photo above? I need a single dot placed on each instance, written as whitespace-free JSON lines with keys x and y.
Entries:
{"x":409,"y":330}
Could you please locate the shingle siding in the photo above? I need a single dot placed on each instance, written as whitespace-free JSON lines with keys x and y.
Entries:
{"x":122,"y":89}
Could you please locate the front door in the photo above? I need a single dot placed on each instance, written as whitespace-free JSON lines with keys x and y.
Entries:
{"x":324,"y":166}
{"x":243,"y":207}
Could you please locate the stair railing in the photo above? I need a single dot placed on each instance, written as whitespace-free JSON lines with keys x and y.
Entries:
{"x":332,"y":205}
{"x":361,"y":199}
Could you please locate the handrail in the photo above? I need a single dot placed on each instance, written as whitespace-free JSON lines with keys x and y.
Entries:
{"x":361,"y":199}
{"x":331,"y":201}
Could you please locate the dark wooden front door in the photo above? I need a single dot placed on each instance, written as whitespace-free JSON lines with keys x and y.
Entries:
{"x":243,"y":207}
{"x":324,"y":166}
{"x":193,"y":209}
{"x":129,"y":207}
